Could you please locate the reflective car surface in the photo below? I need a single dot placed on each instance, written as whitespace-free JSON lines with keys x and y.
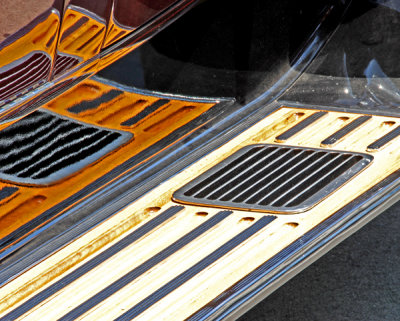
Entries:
{"x":162,"y":170}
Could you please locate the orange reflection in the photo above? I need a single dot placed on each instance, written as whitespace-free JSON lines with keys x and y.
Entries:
{"x":148,"y":118}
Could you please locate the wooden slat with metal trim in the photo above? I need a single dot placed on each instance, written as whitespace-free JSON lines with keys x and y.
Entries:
{"x":173,"y":287}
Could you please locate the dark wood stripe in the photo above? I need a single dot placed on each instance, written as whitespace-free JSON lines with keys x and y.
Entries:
{"x":195,"y":269}
{"x":93,"y":104}
{"x":150,"y":263}
{"x":147,"y":111}
{"x":7,"y":191}
{"x":85,"y":268}
{"x":384,"y":140}
{"x":300,"y":126}
{"x":345,"y":130}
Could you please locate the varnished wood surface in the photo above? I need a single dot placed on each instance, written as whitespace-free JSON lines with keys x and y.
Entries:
{"x":200,"y":288}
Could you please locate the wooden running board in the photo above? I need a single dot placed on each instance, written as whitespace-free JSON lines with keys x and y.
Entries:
{"x":182,"y":260}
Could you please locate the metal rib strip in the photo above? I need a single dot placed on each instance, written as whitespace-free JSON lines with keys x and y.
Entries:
{"x":288,"y":172}
{"x":147,"y":111}
{"x":340,"y":166}
{"x":300,"y":126}
{"x":290,"y":179}
{"x":287,"y":164}
{"x":138,"y":271}
{"x":298,"y":251}
{"x":216,"y":182}
{"x":85,"y":268}
{"x":334,"y":138}
{"x":378,"y":144}
{"x":95,"y":103}
{"x":195,"y":269}
{"x":265,"y":169}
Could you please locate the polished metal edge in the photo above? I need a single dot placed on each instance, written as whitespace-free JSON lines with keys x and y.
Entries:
{"x":159,"y":94}
{"x":255,"y":287}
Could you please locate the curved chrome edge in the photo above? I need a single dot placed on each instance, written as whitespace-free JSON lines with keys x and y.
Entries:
{"x":244,"y":295}
{"x":161,"y":94}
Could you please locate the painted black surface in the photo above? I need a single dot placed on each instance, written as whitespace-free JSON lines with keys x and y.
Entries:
{"x":82,"y":270}
{"x":345,"y":130}
{"x":142,"y":268}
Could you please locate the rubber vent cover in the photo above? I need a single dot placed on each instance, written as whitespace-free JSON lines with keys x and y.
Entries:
{"x":273,"y":178}
{"x":43,"y":147}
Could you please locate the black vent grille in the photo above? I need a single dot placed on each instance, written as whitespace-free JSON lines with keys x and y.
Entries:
{"x":273,"y":178}
{"x":43,"y":147}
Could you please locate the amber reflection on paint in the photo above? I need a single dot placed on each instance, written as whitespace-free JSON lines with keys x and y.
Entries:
{"x":42,"y":37}
{"x":40,"y":40}
{"x":34,"y":200}
{"x":114,"y":32}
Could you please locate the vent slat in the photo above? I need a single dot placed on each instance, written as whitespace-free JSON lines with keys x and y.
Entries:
{"x":216,"y":182}
{"x":291,"y":179}
{"x":238,"y":191}
{"x":261,"y":163}
{"x":269,"y":176}
{"x":340,"y":168}
{"x":292,"y":176}
{"x":43,"y":147}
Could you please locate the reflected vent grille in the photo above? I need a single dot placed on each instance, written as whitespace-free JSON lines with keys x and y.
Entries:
{"x":64,"y":63}
{"x":42,"y":147}
{"x":273,"y":178}
{"x":27,"y":72}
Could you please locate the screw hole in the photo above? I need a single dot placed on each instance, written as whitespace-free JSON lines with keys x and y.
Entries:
{"x":344,"y":118}
{"x":247,"y":219}
{"x":153,"y":209}
{"x":293,"y":224}
{"x":297,"y":115}
{"x":388,"y":123}
{"x":202,"y":213}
